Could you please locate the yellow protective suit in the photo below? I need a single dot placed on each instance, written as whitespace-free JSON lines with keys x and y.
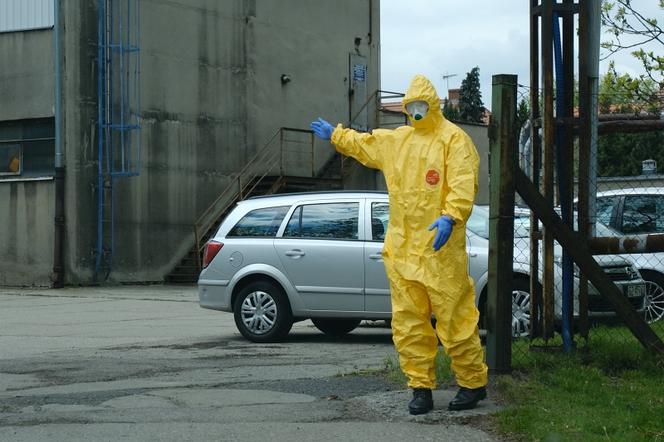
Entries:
{"x":431,"y":169}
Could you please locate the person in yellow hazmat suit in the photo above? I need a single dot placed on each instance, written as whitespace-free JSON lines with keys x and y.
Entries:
{"x":431,"y":172}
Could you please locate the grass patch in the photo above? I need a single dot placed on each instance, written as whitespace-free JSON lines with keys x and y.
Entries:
{"x":443,"y":371}
{"x":612,"y":390}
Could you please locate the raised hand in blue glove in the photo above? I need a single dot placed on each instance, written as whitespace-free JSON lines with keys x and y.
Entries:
{"x":444,"y":225}
{"x":322,"y":129}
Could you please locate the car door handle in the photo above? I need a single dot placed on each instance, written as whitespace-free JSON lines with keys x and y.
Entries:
{"x":472,"y":255}
{"x":295,"y":253}
{"x":376,"y":256}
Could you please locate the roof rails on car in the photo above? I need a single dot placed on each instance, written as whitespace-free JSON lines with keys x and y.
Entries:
{"x":326,"y":192}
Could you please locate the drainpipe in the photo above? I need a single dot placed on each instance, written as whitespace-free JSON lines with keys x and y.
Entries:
{"x":58,"y":242}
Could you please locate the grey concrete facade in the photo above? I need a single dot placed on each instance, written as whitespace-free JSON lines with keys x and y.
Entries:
{"x":211,"y":96}
{"x":26,"y":206}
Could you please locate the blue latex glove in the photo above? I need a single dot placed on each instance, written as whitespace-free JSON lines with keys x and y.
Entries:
{"x":322,"y":129}
{"x":444,"y":225}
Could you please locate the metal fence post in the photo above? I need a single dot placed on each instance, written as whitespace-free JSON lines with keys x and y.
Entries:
{"x":503,"y":158}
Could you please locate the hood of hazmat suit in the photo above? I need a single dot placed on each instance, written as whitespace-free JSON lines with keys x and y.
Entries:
{"x":431,"y":169}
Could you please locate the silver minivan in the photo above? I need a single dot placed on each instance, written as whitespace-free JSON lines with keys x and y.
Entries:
{"x":283,"y":258}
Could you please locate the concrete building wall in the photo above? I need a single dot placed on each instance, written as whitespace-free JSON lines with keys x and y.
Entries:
{"x":211,"y":97}
{"x":311,"y":43}
{"x":26,"y":206}
{"x":79,"y":115}
{"x":26,"y":237}
{"x":480,"y":136}
{"x":26,"y":75}
{"x":193,"y":92}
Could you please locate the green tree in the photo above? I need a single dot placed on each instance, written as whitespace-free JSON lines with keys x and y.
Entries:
{"x":471,"y":108}
{"x":621,"y":93}
{"x":630,"y":30}
{"x":522,"y":112}
{"x":621,"y":154}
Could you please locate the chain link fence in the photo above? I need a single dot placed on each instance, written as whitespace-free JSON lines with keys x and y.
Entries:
{"x":629,"y":201}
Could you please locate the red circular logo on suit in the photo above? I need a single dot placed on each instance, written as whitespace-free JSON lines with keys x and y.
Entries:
{"x":433,"y":177}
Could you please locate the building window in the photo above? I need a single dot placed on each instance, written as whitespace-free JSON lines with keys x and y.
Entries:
{"x":27,"y":148}
{"x":10,"y":159}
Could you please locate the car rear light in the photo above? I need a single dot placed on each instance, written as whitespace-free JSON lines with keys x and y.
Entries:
{"x":211,"y":250}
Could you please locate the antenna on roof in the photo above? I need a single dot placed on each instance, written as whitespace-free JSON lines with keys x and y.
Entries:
{"x":447,"y":77}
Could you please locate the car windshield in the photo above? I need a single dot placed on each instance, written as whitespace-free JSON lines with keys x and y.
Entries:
{"x":478,"y":223}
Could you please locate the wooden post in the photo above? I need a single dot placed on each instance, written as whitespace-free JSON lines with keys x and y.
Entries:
{"x":503,"y":148}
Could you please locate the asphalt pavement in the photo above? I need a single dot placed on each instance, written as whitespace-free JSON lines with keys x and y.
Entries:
{"x":146,"y":363}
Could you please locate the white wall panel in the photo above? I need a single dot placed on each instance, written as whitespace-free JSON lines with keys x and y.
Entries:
{"x":22,"y":15}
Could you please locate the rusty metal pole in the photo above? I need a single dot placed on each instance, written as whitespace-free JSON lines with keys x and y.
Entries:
{"x":584,"y":159}
{"x":566,"y":170}
{"x":503,"y":148}
{"x":536,"y":124}
{"x":548,"y":124}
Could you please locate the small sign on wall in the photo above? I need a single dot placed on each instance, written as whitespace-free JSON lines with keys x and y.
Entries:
{"x":359,"y":72}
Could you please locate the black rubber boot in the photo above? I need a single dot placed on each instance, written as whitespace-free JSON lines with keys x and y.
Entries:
{"x":467,"y":398}
{"x":422,"y":401}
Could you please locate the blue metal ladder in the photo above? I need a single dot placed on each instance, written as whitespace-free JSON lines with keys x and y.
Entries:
{"x":118,"y":122}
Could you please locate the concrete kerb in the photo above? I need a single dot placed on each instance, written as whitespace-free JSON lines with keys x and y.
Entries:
{"x":149,"y":292}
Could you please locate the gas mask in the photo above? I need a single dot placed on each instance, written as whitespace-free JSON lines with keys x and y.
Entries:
{"x":417,"y":109}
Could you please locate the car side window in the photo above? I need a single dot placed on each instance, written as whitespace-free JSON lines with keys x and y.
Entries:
{"x":380,"y":216}
{"x":260,"y":222}
{"x":604,"y":209}
{"x":478,"y":223}
{"x":324,"y":221}
{"x":643,"y":214}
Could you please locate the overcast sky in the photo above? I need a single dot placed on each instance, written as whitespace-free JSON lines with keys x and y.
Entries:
{"x":444,"y":37}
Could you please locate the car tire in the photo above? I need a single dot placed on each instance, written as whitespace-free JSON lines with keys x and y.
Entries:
{"x":654,"y":299}
{"x":262,"y":312}
{"x":520,"y":308}
{"x":336,"y":327}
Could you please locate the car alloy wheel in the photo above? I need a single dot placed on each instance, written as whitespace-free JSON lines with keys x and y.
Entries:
{"x":653,"y":302}
{"x":520,"y":313}
{"x":262,"y":312}
{"x":259,"y":312}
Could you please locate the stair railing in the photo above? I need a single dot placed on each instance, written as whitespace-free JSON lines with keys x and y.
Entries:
{"x":243,"y":182}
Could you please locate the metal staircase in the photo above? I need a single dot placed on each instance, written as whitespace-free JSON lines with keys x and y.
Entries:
{"x":289,"y":149}
{"x":265,"y":174}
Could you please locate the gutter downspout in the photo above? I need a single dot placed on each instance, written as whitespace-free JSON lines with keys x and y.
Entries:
{"x":58,"y":241}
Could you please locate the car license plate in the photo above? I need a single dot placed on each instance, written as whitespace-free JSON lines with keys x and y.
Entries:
{"x":635,"y":291}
